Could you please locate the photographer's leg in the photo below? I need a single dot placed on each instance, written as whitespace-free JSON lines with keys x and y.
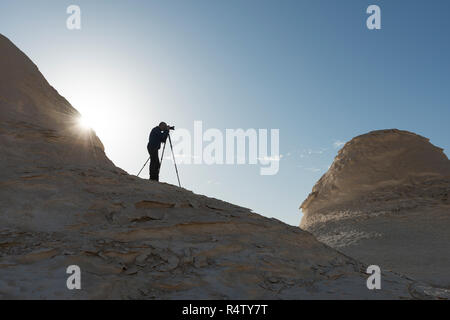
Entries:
{"x":154,"y":165}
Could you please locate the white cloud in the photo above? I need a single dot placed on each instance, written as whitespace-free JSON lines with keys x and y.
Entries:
{"x":338,"y":144}
{"x":273,"y":158}
{"x":313,"y":169}
{"x":311,"y":152}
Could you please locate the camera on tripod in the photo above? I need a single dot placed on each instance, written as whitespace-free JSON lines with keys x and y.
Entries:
{"x":171,"y":127}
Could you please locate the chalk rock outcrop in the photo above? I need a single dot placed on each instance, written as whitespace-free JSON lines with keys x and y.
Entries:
{"x":384,"y":201}
{"x":63,"y":203}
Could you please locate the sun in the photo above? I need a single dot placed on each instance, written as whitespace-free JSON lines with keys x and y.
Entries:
{"x":84,"y":123}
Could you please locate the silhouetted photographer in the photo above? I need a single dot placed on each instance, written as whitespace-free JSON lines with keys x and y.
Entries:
{"x":158,"y":135}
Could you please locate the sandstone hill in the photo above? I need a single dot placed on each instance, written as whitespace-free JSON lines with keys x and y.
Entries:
{"x":63,"y":202}
{"x":384,"y":201}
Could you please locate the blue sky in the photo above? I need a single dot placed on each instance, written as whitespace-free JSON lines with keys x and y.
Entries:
{"x":310,"y":68}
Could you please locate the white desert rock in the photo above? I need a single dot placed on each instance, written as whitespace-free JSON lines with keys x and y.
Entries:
{"x":384,"y":201}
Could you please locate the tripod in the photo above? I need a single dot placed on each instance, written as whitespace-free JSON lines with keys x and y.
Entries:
{"x":162,"y":157}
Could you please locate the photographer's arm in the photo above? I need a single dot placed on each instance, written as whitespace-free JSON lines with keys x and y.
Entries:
{"x":164,"y":136}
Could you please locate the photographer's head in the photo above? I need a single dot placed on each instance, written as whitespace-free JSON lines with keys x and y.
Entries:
{"x":164,"y":127}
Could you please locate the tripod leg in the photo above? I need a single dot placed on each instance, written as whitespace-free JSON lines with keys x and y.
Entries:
{"x":175,"y":163}
{"x":143,"y":166}
{"x":162,"y":155}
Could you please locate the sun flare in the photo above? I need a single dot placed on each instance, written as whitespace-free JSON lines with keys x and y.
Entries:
{"x":84,"y":123}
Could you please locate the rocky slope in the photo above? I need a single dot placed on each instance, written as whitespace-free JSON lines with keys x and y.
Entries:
{"x":63,"y":202}
{"x":384,"y":201}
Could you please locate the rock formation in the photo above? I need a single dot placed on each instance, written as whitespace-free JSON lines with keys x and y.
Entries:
{"x":63,"y":202}
{"x":384,"y":201}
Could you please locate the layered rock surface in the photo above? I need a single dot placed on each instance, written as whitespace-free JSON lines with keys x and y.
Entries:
{"x":384,"y":201}
{"x":63,"y":202}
